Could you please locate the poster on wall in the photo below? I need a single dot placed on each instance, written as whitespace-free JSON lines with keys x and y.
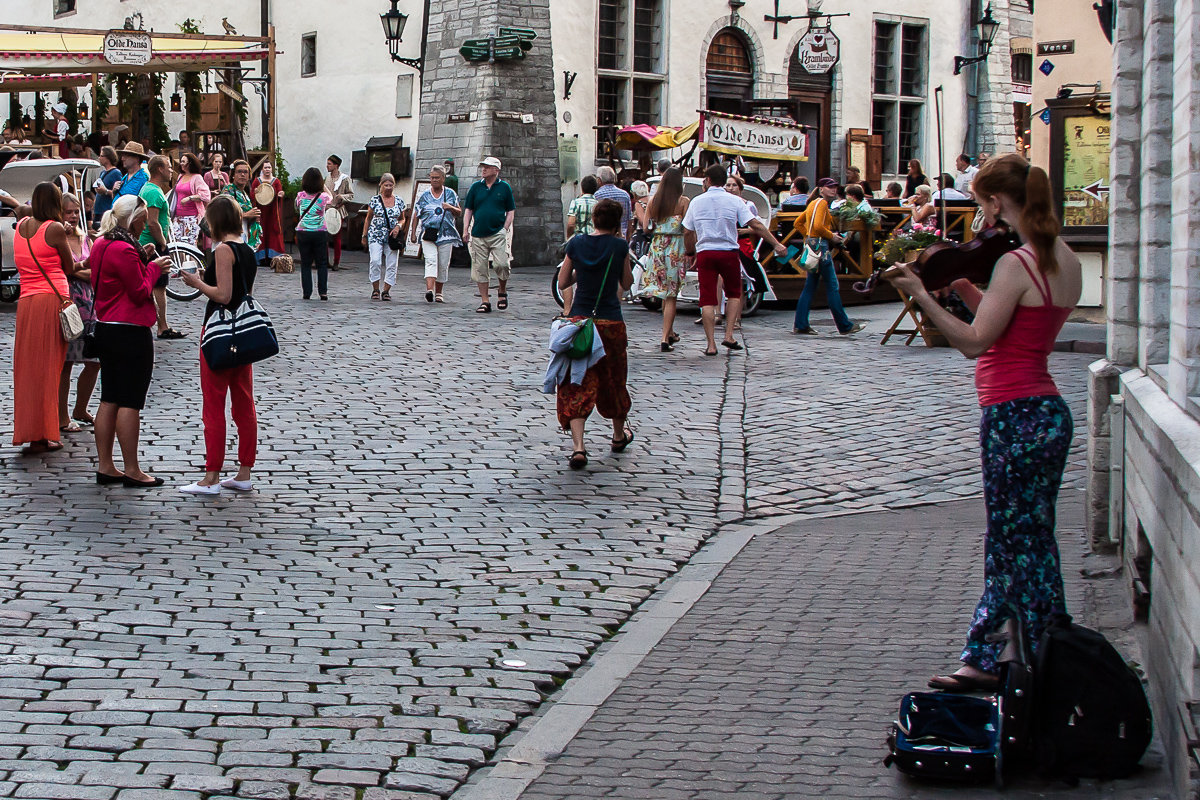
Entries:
{"x":760,"y":138}
{"x":413,"y":249}
{"x":1086,"y":150}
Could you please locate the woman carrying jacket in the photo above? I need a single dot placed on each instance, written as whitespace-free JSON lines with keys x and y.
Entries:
{"x":816,"y":225}
{"x":123,"y":281}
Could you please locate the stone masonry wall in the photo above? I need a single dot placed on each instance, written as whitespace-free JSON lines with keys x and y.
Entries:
{"x":529,"y":150}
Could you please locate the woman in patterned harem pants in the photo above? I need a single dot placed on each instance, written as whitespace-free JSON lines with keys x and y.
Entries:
{"x":1024,"y":444}
{"x":1025,"y":432}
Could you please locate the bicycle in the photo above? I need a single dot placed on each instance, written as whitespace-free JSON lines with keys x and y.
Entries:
{"x":184,"y":258}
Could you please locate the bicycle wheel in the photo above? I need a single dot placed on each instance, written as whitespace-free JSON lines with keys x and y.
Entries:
{"x":555,"y":292}
{"x":184,"y":258}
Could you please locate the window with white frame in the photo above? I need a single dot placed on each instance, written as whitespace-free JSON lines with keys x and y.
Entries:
{"x":631,"y":64}
{"x":308,"y":55}
{"x":899,"y":81}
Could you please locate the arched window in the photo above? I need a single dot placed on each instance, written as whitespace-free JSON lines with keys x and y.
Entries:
{"x":729,"y":73}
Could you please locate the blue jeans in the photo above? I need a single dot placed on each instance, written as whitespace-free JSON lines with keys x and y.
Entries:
{"x":833,"y":296}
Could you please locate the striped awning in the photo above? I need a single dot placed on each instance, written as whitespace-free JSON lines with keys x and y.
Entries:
{"x":1021,"y":45}
{"x":47,"y":50}
{"x":50,"y":82}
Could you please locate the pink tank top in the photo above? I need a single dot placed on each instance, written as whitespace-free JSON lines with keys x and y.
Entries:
{"x":32,"y":280}
{"x":1016,"y":366}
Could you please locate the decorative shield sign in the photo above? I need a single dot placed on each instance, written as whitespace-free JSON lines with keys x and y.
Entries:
{"x":819,"y":50}
{"x":128,"y":48}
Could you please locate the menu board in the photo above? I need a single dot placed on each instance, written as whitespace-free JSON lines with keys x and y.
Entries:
{"x":1086,"y":149}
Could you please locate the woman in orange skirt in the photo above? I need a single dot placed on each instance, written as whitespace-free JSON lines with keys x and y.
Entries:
{"x":43,"y":260}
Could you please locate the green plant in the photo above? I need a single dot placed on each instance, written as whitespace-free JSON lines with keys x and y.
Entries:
{"x":900,"y":243}
{"x":190,"y":82}
{"x":291,"y":187}
{"x":850,"y":212}
{"x":103,"y":101}
{"x":160,"y":134}
{"x":71,"y":98}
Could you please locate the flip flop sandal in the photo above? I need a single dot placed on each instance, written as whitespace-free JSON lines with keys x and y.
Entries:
{"x":578,"y":459}
{"x":619,"y":445}
{"x":964,"y":684}
{"x":86,"y":419}
{"x":710,"y":352}
{"x":72,"y":428}
{"x":502,"y":300}
{"x":484,"y":308}
{"x":732,"y":345}
{"x":171,"y":333}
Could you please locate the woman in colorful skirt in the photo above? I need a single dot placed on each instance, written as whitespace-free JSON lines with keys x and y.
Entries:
{"x":43,"y":262}
{"x":192,"y":196}
{"x":668,"y":264}
{"x":81,"y":293}
{"x":1026,"y":429}
{"x":598,"y":266}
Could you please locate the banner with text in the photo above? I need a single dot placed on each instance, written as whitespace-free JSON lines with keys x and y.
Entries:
{"x":753,"y":137}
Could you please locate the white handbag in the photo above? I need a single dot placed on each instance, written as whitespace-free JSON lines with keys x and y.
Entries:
{"x":810,"y":259}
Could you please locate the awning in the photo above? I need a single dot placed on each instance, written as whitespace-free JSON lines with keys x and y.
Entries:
{"x":1021,"y":45}
{"x":41,"y":83}
{"x":59,"y":49}
{"x":651,"y":137}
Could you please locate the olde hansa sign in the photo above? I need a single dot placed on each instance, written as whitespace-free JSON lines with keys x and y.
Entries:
{"x":753,"y":137}
{"x":128,"y":48}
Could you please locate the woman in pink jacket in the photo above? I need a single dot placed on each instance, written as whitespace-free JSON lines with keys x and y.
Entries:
{"x":123,"y":280}
{"x":192,"y":196}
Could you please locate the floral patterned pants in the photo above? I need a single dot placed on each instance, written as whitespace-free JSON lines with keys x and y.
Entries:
{"x":1025,"y":444}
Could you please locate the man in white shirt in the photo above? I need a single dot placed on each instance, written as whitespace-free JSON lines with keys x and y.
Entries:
{"x":947,"y":188}
{"x":710,"y":236}
{"x":966,"y":174}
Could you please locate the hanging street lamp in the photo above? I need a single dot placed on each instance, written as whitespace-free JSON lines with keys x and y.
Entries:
{"x":987,"y":28}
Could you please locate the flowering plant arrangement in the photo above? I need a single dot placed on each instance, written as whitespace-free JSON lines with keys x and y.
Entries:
{"x":900,"y":243}
{"x":850,"y":212}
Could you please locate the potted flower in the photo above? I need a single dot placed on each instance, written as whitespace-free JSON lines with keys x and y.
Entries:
{"x":849,"y":213}
{"x":907,"y":245}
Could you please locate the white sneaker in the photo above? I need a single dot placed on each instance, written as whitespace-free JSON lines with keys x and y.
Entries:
{"x":195,"y":488}
{"x":236,"y":485}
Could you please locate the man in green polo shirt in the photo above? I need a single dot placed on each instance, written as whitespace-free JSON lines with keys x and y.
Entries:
{"x":158,"y":226}
{"x":488,"y":212}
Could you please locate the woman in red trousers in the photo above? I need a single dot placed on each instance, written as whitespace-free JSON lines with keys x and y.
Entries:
{"x":228,"y":278}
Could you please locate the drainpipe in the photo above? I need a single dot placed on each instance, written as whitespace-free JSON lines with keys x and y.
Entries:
{"x":264,"y":31}
{"x":971,"y":143}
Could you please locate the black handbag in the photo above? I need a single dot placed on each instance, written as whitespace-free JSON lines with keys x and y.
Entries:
{"x":233,"y":338}
{"x":394,"y":242}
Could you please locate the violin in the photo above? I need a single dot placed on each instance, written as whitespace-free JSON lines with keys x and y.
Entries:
{"x":941,"y":264}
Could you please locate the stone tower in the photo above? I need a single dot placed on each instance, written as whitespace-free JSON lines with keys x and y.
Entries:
{"x":505,"y":109}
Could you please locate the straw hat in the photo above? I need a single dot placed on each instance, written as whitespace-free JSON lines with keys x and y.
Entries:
{"x":134,"y":149}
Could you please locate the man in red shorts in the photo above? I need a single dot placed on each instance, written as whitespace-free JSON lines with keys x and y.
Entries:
{"x":710,"y":234}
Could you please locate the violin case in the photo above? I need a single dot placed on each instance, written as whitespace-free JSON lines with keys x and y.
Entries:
{"x":963,"y":738}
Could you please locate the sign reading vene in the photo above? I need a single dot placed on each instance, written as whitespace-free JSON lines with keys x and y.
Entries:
{"x":128,"y":48}
{"x":754,"y":138}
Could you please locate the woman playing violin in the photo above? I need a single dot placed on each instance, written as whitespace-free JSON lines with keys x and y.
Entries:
{"x":1026,"y":427}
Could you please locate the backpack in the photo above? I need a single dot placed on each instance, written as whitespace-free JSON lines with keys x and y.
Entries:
{"x":1091,"y":715}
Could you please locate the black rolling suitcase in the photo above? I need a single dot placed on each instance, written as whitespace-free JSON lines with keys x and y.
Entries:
{"x":965,"y":738}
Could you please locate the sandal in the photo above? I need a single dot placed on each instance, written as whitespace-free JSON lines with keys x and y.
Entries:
{"x":70,"y":427}
{"x":732,"y":345}
{"x":484,"y":308}
{"x":619,"y":445}
{"x":673,"y":338}
{"x":578,"y":459}
{"x":375,"y":294}
{"x":171,"y":333}
{"x":666,"y":347}
{"x":964,"y":684}
{"x":437,"y":298}
{"x":501,"y":300}
{"x":385,"y":296}
{"x":85,"y":418}
{"x":37,"y":448}
{"x":710,"y":352}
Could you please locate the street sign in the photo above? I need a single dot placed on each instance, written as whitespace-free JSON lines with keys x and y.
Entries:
{"x":818,"y":51}
{"x":525,"y":35}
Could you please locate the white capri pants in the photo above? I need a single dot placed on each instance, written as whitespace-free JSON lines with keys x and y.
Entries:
{"x":383,"y":262}
{"x":437,"y":260}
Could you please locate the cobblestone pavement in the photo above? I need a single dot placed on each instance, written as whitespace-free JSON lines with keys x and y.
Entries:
{"x":341,"y":632}
{"x":780,"y":682}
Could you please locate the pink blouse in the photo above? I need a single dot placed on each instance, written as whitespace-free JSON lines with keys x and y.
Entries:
{"x":186,"y":187}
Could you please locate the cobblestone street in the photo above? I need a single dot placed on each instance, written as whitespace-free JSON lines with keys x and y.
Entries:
{"x":417,"y":569}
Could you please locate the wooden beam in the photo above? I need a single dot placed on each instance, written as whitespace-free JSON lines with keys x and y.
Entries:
{"x":271,"y":77}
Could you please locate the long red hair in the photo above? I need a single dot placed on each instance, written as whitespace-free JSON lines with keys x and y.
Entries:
{"x":1029,"y":188}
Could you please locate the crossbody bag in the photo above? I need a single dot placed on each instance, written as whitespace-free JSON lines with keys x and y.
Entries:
{"x":585,"y":336}
{"x":393,"y":242}
{"x":70,"y":321}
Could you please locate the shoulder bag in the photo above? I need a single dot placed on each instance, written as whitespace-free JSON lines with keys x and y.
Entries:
{"x":581,"y":343}
{"x":307,"y":208}
{"x":70,"y":322}
{"x":238,"y":337}
{"x":393,"y":242}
